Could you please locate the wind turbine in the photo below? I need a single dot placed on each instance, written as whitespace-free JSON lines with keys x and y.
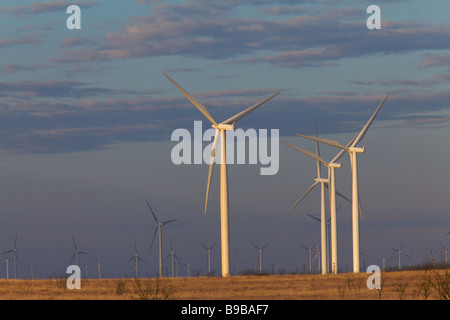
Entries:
{"x":399,"y":252}
{"x":14,"y":251}
{"x":31,"y":269}
{"x":77,"y":252}
{"x":445,"y":253}
{"x":99,"y":271}
{"x":323,"y":183}
{"x":327,"y":239}
{"x":238,"y":263}
{"x":260,"y":250}
{"x":172,"y":254}
{"x":158,"y":228}
{"x":309,"y":254}
{"x":208,"y":253}
{"x":332,"y":198}
{"x":353,"y":151}
{"x":136,"y":257}
{"x":222,"y":127}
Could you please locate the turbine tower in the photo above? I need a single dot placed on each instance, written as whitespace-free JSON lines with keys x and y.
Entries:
{"x":352,"y":150}
{"x":158,"y":228}
{"x":222,"y":127}
{"x":208,"y":254}
{"x":260,"y":250}
{"x":332,"y":198}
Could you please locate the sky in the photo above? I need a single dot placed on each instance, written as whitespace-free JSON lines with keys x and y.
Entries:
{"x":86,"y":119}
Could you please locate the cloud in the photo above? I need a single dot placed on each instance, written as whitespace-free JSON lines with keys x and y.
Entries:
{"x":68,"y":116}
{"x":44,"y":7}
{"x":29,"y":39}
{"x":211,"y":30}
{"x":436,"y":60}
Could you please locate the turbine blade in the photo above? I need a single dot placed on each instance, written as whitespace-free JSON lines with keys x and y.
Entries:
{"x":213,"y":245}
{"x":15,"y":241}
{"x":323,"y":140}
{"x":166,"y":222}
{"x":211,"y":165}
{"x":303,"y":196}
{"x":315,"y":218}
{"x":342,"y":196}
{"x":339,"y":155}
{"x":360,"y":207}
{"x":153,"y":239}
{"x":74,"y":245}
{"x":366,"y":127}
{"x":131,"y":259}
{"x":318,"y":153}
{"x":254,"y":245}
{"x":204,"y":246}
{"x":264,"y":246}
{"x":304,"y":247}
{"x":242,"y":114}
{"x":199,"y":106}
{"x":310,"y":154}
{"x":154,"y":215}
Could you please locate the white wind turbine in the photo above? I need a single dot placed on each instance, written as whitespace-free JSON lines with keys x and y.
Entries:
{"x":260,"y":250}
{"x":332,"y":199}
{"x":172,"y":254}
{"x":323,"y":183}
{"x":14,"y":251}
{"x":399,"y":253}
{"x":208,"y":255}
{"x":327,"y":240}
{"x":137,"y":258}
{"x":222,"y":127}
{"x":158,"y":228}
{"x":99,"y":271}
{"x":309,"y":254}
{"x":77,"y":252}
{"x":352,"y":150}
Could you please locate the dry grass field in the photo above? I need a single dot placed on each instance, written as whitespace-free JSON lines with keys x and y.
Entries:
{"x":400,"y":285}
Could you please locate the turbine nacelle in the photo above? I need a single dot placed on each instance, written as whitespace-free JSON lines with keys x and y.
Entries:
{"x":334,"y":165}
{"x":357,"y":149}
{"x":224,"y":126}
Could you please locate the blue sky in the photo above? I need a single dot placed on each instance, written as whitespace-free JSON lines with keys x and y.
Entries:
{"x":87,"y":115}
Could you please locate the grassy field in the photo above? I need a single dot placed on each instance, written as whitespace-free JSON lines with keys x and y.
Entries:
{"x":400,"y":285}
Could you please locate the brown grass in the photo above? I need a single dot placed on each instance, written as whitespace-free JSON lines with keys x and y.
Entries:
{"x":410,"y":285}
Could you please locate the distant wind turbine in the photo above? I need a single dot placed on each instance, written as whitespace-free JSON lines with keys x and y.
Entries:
{"x":327,"y":239}
{"x":14,"y":251}
{"x":260,"y":250}
{"x":352,"y":150}
{"x":99,"y":271}
{"x":399,"y":253}
{"x":309,"y":255}
{"x":137,"y":258}
{"x":222,"y":127}
{"x":77,"y":252}
{"x":208,"y":253}
{"x":158,"y":229}
{"x":173,"y":255}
